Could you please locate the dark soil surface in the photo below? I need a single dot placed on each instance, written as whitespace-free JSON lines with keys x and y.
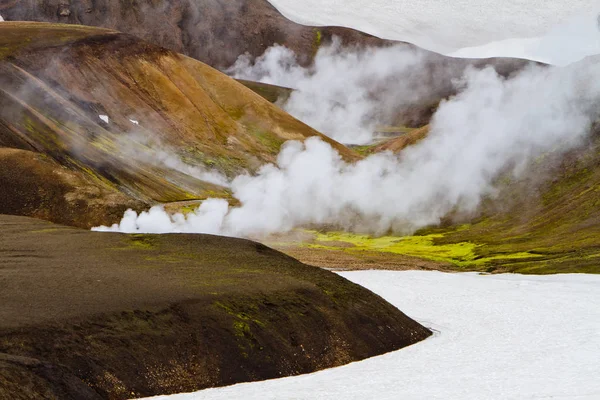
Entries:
{"x":32,"y":184}
{"x":96,"y":315}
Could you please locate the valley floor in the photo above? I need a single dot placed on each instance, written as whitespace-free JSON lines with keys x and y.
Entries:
{"x":498,"y":337}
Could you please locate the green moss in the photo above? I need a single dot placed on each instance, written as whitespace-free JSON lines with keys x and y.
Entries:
{"x":318,"y":39}
{"x":363,"y":150}
{"x":245,"y":315}
{"x":228,"y":164}
{"x":146,"y":242}
{"x":461,"y":254}
{"x":418,"y":246}
{"x":241,"y":329}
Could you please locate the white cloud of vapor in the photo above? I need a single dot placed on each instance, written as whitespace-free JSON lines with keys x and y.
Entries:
{"x":494,"y":125}
{"x":143,"y":146}
{"x":347,"y":92}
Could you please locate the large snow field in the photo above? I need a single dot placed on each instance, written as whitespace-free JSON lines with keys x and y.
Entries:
{"x":497,"y":337}
{"x":553,"y":31}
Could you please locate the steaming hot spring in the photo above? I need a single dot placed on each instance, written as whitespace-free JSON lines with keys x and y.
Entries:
{"x":449,"y":165}
{"x":496,"y":337}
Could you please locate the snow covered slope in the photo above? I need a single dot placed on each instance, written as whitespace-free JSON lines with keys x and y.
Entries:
{"x":466,"y":28}
{"x":499,"y":337}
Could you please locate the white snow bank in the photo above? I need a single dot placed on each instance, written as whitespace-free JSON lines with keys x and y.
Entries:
{"x":500,"y":337}
{"x":483,"y":28}
{"x":569,"y":42}
{"x":104,"y":118}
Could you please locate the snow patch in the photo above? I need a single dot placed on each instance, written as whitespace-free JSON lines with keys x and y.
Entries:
{"x":133,"y":121}
{"x":504,"y":337}
{"x":482,"y":28}
{"x":569,"y":42}
{"x":104,"y":118}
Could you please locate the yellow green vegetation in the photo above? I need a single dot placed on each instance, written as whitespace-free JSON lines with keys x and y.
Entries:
{"x":461,"y":254}
{"x":544,"y":222}
{"x":272,"y":93}
{"x":317,"y":41}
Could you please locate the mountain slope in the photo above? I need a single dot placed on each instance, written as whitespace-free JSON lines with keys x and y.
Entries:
{"x":35,"y":185}
{"x":547,"y":221}
{"x":129,"y":113}
{"x":218,"y":31}
{"x":553,"y":214}
{"x":213,"y":31}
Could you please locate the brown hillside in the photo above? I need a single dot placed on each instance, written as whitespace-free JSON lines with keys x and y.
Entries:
{"x":401,"y":142}
{"x":56,"y":81}
{"x":35,"y":185}
{"x":218,"y":31}
{"x":86,"y":315}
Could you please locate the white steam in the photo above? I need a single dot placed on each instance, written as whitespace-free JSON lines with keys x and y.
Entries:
{"x":145,"y":147}
{"x":346,"y":93}
{"x":492,"y":126}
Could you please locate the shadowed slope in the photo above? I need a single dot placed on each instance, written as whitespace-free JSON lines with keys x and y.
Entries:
{"x":35,"y":185}
{"x":553,"y":214}
{"x":96,"y":315}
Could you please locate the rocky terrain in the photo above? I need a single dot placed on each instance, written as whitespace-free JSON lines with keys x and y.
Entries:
{"x":215,"y":31}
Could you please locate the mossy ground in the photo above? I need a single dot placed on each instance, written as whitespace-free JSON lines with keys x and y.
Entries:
{"x":272,"y":93}
{"x":460,"y":255}
{"x":121,"y":316}
{"x":547,"y":221}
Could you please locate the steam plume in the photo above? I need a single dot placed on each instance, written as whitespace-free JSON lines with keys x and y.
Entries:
{"x":142,"y":146}
{"x":346,"y":93}
{"x":494,"y":125}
